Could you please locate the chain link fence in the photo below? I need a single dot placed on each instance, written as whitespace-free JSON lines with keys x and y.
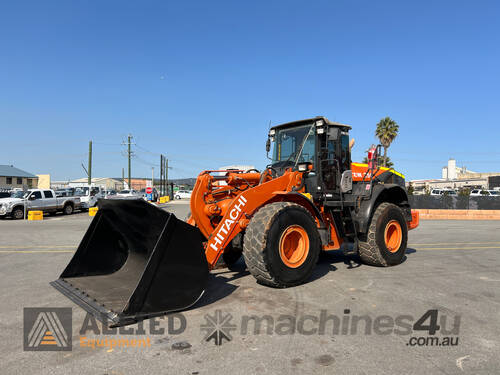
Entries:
{"x":446,"y":202}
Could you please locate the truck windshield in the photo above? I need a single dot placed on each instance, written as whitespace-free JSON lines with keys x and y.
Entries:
{"x":294,"y":145}
{"x":18,"y":194}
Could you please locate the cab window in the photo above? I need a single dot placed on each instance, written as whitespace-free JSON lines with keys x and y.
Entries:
{"x":36,"y":195}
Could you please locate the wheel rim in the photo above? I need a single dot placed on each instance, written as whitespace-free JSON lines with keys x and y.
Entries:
{"x":393,"y":236}
{"x":18,"y":214}
{"x":294,"y":246}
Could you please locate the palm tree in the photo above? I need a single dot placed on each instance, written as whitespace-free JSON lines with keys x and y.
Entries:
{"x":386,"y":132}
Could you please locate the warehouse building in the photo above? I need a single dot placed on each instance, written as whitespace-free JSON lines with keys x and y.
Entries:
{"x":12,"y":178}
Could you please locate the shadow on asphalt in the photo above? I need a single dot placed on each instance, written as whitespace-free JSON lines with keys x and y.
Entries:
{"x":219,"y":286}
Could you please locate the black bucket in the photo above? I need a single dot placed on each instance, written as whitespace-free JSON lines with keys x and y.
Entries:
{"x":136,"y":261}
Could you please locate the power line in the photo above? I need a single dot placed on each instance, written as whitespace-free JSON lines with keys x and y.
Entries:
{"x":148,"y":151}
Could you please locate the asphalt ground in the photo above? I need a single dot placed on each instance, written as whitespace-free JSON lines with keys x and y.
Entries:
{"x":451,"y":268}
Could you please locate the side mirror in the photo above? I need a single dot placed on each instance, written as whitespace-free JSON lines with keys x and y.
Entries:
{"x":268,"y":145}
{"x":333,"y":133}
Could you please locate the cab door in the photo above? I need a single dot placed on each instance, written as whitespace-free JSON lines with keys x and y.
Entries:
{"x":35,"y":201}
{"x":50,"y":201}
{"x":335,"y":158}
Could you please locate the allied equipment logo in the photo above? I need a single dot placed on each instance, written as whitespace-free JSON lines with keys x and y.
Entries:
{"x":48,"y":329}
{"x":218,"y":327}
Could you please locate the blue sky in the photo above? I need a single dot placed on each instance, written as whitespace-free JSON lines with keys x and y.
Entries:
{"x":200,"y":81}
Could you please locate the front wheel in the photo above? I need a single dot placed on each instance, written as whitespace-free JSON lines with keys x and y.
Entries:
{"x":385,"y":243}
{"x":18,"y":213}
{"x":281,"y":245}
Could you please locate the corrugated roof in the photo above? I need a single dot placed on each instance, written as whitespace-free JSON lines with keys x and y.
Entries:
{"x":11,"y":171}
{"x":94,"y":179}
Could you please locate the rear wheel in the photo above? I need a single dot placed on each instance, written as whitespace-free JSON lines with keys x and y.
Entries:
{"x":385,"y":243}
{"x":68,"y":209}
{"x":281,"y":245}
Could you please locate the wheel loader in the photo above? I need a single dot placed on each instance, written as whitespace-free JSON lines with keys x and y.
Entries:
{"x":138,"y":261}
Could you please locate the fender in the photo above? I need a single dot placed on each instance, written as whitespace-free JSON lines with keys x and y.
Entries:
{"x":299,"y":198}
{"x":392,"y":193}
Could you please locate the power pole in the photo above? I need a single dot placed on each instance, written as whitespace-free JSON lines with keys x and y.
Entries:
{"x":89,"y":172}
{"x":123,"y":178}
{"x":129,"y":156}
{"x":166,"y":175}
{"x":152,"y":177}
{"x":129,"y":164}
{"x":161,"y":175}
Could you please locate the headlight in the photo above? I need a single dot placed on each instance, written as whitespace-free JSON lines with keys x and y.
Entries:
{"x":3,"y":209}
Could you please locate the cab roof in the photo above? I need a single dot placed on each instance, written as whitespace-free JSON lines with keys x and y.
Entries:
{"x":310,"y":120}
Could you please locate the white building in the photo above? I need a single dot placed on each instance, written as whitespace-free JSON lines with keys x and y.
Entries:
{"x":453,"y":177}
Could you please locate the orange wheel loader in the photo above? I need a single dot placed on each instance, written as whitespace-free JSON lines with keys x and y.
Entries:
{"x":137,"y":261}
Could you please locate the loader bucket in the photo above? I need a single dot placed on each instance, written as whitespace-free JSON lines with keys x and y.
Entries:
{"x":135,"y":261}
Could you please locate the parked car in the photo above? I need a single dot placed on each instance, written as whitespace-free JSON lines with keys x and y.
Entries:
{"x":5,"y":194}
{"x":65,"y":192}
{"x":449,"y":192}
{"x":37,"y":199}
{"x":109,"y":193}
{"x":128,"y":193}
{"x":443,"y":191}
{"x":91,"y":196}
{"x":180,"y":194}
{"x":436,"y":192}
{"x":480,"y":193}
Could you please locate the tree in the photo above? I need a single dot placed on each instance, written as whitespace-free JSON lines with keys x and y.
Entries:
{"x":388,"y":164}
{"x":386,"y":132}
{"x":465,"y":192}
{"x":410,"y":189}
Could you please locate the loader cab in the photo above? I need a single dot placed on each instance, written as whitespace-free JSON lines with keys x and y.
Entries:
{"x":317,"y":147}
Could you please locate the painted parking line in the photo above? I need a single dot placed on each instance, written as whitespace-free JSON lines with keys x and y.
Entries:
{"x":42,"y":249}
{"x":455,"y":243}
{"x":38,"y":247}
{"x":36,"y":251}
{"x":457,"y":248}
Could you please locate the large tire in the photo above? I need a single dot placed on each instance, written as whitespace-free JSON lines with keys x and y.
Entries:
{"x":281,"y":245}
{"x":385,"y":243}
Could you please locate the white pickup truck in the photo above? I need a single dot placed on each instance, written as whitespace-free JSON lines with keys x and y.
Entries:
{"x":90,"y":196}
{"x":37,"y":199}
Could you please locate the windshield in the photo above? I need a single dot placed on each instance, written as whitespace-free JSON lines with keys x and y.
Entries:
{"x":19,"y":194}
{"x":82,"y":191}
{"x":294,"y":145}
